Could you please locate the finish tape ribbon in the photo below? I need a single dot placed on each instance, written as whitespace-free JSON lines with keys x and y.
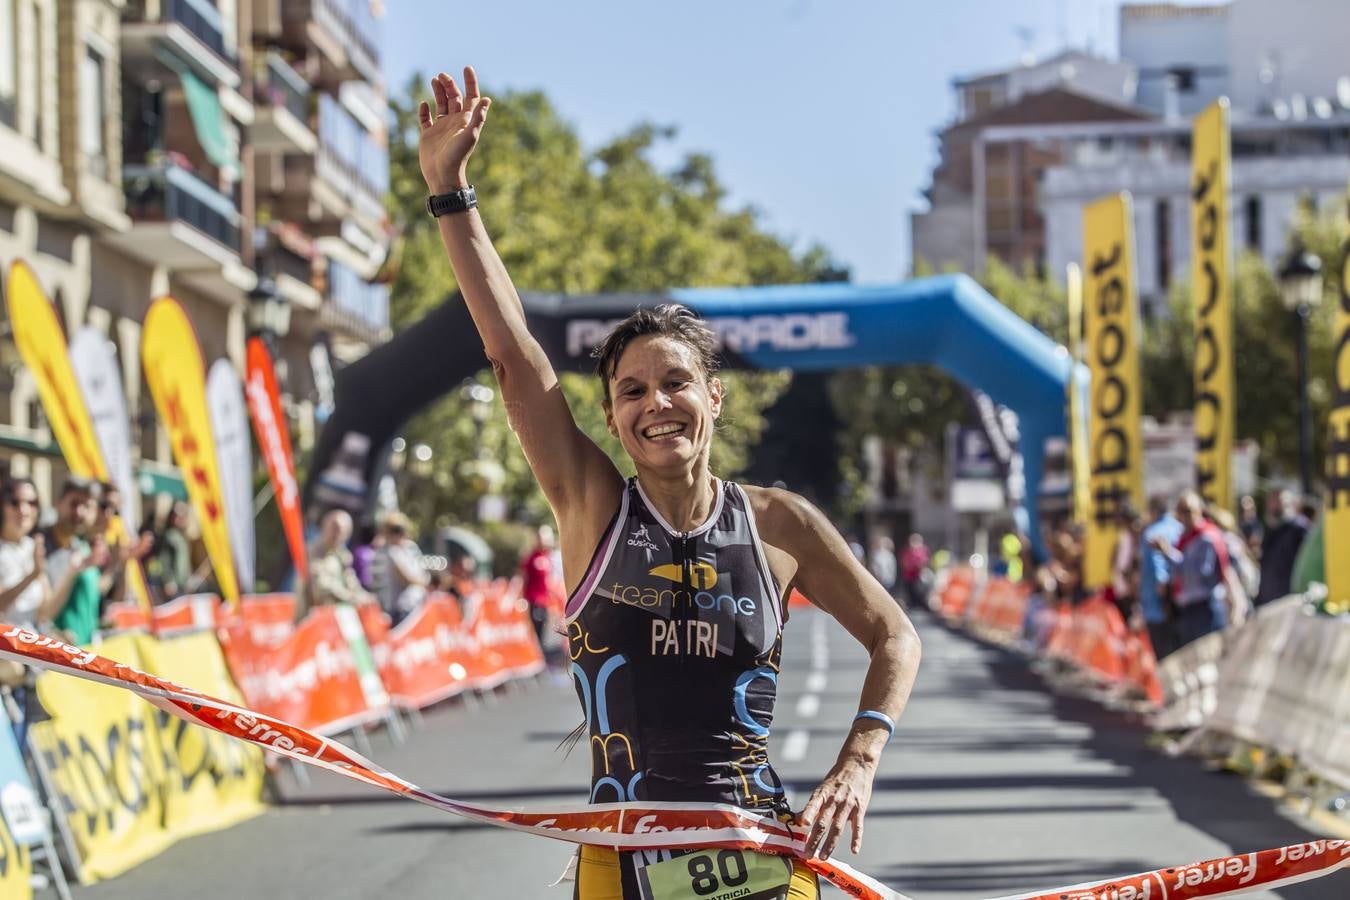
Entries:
{"x":632,"y":826}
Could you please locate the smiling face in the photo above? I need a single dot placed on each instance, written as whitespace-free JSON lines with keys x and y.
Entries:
{"x":21,"y":509}
{"x":663,"y":405}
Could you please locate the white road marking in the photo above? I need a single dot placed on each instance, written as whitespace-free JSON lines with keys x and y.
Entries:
{"x":808,"y":706}
{"x":794,"y":748}
{"x":815,"y":682}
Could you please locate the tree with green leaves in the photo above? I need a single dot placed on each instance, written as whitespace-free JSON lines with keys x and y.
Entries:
{"x":569,"y":220}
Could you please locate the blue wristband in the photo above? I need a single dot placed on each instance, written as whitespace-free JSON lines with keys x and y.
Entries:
{"x":880,"y":717}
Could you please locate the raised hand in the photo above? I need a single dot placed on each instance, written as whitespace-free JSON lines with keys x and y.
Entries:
{"x":448,"y":139}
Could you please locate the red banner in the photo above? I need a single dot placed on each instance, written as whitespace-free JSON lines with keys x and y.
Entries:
{"x":501,"y":629}
{"x":428,"y":657}
{"x":269,"y":424}
{"x":434,"y":654}
{"x":191,"y":612}
{"x":310,"y":677}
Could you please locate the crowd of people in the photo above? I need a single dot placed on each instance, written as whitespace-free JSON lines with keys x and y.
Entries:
{"x":1185,"y":568}
{"x":384,"y":565}
{"x":60,"y":570}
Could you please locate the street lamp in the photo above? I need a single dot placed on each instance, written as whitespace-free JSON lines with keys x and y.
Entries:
{"x":486,"y":474}
{"x":268,"y":311}
{"x":1301,"y":290}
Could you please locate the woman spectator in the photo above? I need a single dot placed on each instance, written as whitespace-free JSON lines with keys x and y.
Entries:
{"x":27,"y":597}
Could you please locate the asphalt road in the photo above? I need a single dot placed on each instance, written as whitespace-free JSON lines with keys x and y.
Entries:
{"x":993,"y":785}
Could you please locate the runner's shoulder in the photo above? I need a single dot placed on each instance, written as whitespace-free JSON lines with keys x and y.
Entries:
{"x":783,"y":518}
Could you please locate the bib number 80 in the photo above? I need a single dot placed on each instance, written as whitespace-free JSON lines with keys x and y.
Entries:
{"x":729,"y":871}
{"x":717,"y":875}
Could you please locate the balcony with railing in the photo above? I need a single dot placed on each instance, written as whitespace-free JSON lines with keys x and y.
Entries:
{"x":351,"y":161}
{"x":355,"y":306}
{"x":178,"y":220}
{"x":192,"y":32}
{"x":287,"y":256}
{"x":345,"y":32}
{"x":283,"y":107}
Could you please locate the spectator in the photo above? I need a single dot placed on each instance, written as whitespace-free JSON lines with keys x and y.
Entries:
{"x":1155,"y":579}
{"x":459,"y":583}
{"x":1010,"y":549}
{"x":121,"y":551}
{"x":72,"y":546}
{"x":1249,"y":523}
{"x":1198,"y":563}
{"x":1242,"y":565}
{"x":537,"y":570}
{"x":1280,"y":548}
{"x":173,"y":553}
{"x":913,"y":566}
{"x":882,"y":563}
{"x":1125,"y":560}
{"x":397,"y":569}
{"x":27,"y":596}
{"x":332,"y":579}
{"x":368,"y":542}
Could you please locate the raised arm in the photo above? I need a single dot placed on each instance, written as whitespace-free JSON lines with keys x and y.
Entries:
{"x":573,"y":472}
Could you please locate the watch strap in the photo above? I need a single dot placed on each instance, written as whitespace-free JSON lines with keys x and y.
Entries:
{"x":453,"y":202}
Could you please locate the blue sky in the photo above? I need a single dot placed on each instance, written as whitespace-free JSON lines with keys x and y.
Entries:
{"x":819,"y":113}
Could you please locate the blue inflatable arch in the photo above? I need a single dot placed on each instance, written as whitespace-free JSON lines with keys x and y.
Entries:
{"x":947,"y":321}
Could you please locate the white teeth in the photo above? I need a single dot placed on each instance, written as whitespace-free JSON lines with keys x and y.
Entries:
{"x":661,"y":430}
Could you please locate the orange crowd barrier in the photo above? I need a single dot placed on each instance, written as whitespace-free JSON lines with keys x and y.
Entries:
{"x":316,"y":674}
{"x":1001,"y":606}
{"x":434,"y":653}
{"x":956,"y":592}
{"x":1094,"y":637}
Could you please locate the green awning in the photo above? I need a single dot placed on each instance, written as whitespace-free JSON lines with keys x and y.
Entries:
{"x":153,"y":483}
{"x":28,"y":445}
{"x":208,"y":118}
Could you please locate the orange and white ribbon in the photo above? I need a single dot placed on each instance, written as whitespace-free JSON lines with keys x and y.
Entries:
{"x":632,"y":826}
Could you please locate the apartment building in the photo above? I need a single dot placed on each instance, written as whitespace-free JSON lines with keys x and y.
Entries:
{"x":1032,"y":144}
{"x":228,"y":152}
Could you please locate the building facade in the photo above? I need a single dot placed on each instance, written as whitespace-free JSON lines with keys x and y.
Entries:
{"x":1015,"y":173}
{"x":145,"y":148}
{"x":1275,"y":165}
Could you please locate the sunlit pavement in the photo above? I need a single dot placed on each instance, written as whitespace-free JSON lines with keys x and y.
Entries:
{"x":993,"y":785}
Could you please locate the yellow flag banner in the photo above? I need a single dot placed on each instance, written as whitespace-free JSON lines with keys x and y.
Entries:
{"x":176,"y":375}
{"x":212,"y":780}
{"x":1212,"y":290}
{"x":1111,"y":332}
{"x":42,"y":346}
{"x":1336,"y":538}
{"x":102,"y":749}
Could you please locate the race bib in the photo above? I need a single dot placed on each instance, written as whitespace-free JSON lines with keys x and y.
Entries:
{"x":717,"y":875}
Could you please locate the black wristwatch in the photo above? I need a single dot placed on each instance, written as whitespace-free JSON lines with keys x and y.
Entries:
{"x":453,"y":202}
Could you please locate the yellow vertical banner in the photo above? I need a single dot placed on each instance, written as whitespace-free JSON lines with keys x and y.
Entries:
{"x":1111,"y":333}
{"x":42,"y":346}
{"x":1078,"y":446}
{"x":1336,"y":536}
{"x":1212,"y":291}
{"x":176,"y":375}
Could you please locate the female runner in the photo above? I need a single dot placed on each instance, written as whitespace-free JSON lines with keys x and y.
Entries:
{"x":677,"y":580}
